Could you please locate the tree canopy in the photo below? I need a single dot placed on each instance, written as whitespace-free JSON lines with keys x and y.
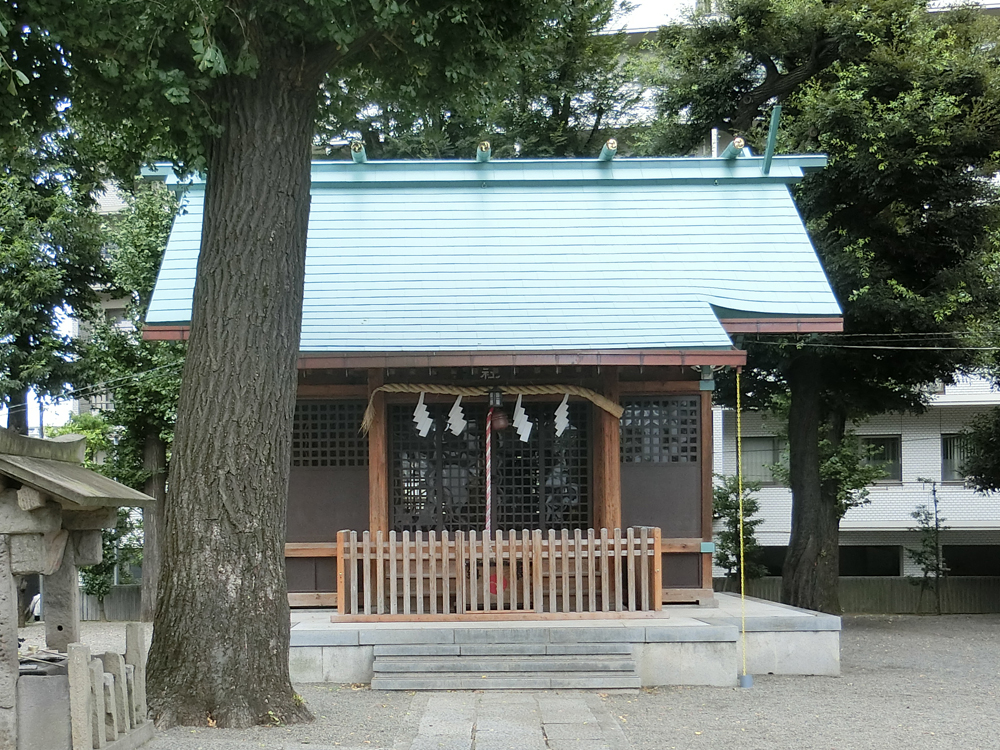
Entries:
{"x":50,"y":268}
{"x":561,"y":91}
{"x":904,"y":216}
{"x":982,"y":455}
{"x":234,"y":89}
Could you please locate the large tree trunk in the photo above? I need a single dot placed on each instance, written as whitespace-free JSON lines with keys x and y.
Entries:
{"x":17,"y":412}
{"x":810,"y":577}
{"x":221,"y":628}
{"x":154,"y":463}
{"x":17,"y":421}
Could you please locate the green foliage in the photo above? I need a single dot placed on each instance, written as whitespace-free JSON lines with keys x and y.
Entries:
{"x":905,"y":215}
{"x":161,"y":71}
{"x":982,"y":464}
{"x":927,"y":556}
{"x":50,"y":267}
{"x":141,"y":377}
{"x":571,"y":89}
{"x":844,"y":470}
{"x":560,"y":91}
{"x":100,"y":435}
{"x":904,"y":218}
{"x":122,"y":545}
{"x":726,"y":508}
{"x":136,"y":238}
{"x":34,"y":79}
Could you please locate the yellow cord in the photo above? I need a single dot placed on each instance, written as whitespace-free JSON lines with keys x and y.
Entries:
{"x":739,"y":484}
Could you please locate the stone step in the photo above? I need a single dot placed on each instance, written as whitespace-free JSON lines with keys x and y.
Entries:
{"x":503,"y":649}
{"x":507,"y":681}
{"x":502,"y":664}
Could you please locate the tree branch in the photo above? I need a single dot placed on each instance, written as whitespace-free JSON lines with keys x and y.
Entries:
{"x":322,"y":59}
{"x":778,"y":85}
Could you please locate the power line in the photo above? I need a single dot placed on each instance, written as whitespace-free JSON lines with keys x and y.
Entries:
{"x":916,"y":334}
{"x":883,"y":347}
{"x":101,"y":386}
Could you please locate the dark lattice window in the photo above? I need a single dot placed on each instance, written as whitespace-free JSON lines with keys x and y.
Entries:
{"x":328,"y":433}
{"x":438,"y":481}
{"x":660,"y":430}
{"x":545,"y":482}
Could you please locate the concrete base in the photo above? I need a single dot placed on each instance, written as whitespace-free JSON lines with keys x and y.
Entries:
{"x":342,"y":664}
{"x":691,"y":663}
{"x":43,"y":713}
{"x":815,"y":653}
{"x":690,"y":645}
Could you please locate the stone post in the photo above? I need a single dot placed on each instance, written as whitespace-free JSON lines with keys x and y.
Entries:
{"x":97,"y":695}
{"x":8,"y":648}
{"x":62,"y":604}
{"x":135,"y":654}
{"x":110,"y":712}
{"x":81,"y":706}
{"x":114,"y":665}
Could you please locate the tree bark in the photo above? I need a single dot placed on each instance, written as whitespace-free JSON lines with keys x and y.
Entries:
{"x":17,"y":412}
{"x":221,"y":628}
{"x":810,"y":576}
{"x":154,"y":462}
{"x":17,"y":422}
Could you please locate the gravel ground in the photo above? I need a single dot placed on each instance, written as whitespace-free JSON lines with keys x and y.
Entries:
{"x":346,"y":717}
{"x":906,"y":682}
{"x":919,"y":683}
{"x":99,"y":636}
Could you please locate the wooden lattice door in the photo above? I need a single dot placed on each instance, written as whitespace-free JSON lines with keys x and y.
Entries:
{"x":438,"y":481}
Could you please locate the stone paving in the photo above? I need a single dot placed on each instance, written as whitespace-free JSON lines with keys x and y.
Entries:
{"x":497,"y":720}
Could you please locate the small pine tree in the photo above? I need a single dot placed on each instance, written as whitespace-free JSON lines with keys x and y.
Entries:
{"x":927,"y":556}
{"x":726,"y":508}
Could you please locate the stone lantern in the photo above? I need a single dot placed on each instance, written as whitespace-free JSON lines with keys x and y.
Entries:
{"x":52,"y":511}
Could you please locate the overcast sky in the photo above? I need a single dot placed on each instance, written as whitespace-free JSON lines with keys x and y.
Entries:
{"x":651,"y":14}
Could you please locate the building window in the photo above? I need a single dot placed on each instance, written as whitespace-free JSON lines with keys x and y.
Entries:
{"x":761,"y":456}
{"x":972,"y":559}
{"x":871,"y":560}
{"x":954,"y":454}
{"x":886,"y":452}
{"x":773,"y":558}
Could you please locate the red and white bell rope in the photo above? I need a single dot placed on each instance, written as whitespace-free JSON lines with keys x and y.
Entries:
{"x":489,"y":473}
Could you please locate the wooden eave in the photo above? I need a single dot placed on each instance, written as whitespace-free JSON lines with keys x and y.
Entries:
{"x":351,"y":360}
{"x":649,"y":357}
{"x":830,"y":324}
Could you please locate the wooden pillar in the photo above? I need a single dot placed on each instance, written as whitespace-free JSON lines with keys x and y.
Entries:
{"x":378,"y":459}
{"x":607,"y":458}
{"x":705,"y":451}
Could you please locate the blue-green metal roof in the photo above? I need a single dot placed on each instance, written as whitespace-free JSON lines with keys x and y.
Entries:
{"x":528,"y":255}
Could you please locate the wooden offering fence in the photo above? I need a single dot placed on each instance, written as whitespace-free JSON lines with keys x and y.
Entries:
{"x":440,"y":575}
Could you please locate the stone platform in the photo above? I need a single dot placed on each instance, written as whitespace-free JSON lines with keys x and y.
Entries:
{"x":687,"y":646}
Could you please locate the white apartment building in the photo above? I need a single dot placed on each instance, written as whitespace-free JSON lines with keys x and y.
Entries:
{"x":919,"y":452}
